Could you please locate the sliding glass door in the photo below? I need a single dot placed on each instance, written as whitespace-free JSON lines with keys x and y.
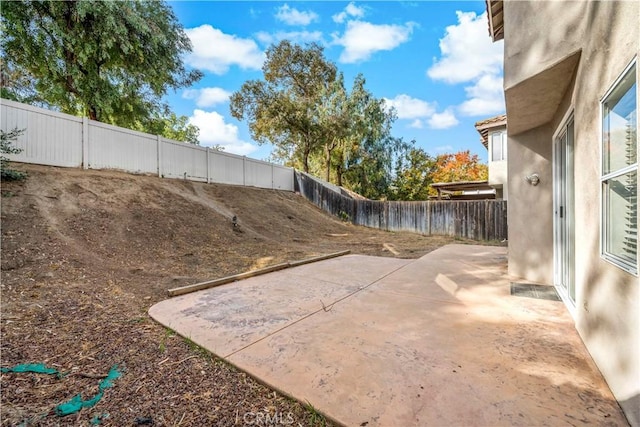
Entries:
{"x":563,"y":224}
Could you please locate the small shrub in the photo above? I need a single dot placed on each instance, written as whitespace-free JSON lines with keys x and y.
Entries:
{"x":6,"y":147}
{"x":343,"y":216}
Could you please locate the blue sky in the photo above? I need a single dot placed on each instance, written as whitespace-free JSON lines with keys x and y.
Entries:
{"x":433,"y":61}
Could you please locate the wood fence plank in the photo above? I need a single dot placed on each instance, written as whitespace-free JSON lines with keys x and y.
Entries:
{"x":483,"y":220}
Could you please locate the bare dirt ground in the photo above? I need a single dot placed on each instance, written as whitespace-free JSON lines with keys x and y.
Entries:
{"x":86,"y":253}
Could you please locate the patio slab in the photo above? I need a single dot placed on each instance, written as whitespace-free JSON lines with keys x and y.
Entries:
{"x":384,"y":342}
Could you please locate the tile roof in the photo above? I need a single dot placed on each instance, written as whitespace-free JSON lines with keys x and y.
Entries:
{"x":484,"y":126}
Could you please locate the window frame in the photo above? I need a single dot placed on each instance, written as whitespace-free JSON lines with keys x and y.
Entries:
{"x":629,"y":267}
{"x":503,"y":144}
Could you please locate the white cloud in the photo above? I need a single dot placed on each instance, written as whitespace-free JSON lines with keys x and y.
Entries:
{"x":444,"y":120}
{"x":208,"y":96}
{"x":350,"y":11}
{"x":216,"y":51}
{"x":469,"y":56}
{"x":294,"y":36}
{"x":214,"y":130}
{"x":362,"y":39}
{"x":410,"y":108}
{"x":467,"y":51}
{"x":416,"y":124}
{"x":421,"y":112}
{"x":292,"y":16}
{"x":485,"y":97}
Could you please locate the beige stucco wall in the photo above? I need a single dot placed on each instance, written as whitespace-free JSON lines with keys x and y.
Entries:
{"x":498,"y":176}
{"x":538,"y":37}
{"x":530,"y":208}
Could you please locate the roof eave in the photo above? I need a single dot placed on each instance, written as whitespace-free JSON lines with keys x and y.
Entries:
{"x":484,"y":126}
{"x":495,"y":14}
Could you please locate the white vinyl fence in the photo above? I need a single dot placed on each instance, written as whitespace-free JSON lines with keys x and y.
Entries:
{"x":57,"y":139}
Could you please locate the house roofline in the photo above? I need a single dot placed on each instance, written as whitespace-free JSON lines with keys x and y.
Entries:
{"x":495,"y":13}
{"x":484,"y":126}
{"x":463,"y":185}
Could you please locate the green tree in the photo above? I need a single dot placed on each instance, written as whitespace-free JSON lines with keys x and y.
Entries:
{"x":357,"y":143}
{"x":414,"y":174}
{"x":303,"y":108}
{"x":283,"y":109}
{"x":335,"y":117}
{"x":365,"y":162}
{"x":112,"y":61}
{"x":18,"y":85}
{"x":369,"y":171}
{"x":171,"y":126}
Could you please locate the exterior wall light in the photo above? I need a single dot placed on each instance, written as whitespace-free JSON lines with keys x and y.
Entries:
{"x":533,"y":179}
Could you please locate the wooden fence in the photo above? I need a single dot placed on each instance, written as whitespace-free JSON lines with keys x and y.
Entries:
{"x":474,"y":219}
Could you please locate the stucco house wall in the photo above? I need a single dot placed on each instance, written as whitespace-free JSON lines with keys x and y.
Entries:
{"x":562,"y":57}
{"x":530,"y":209}
{"x":498,"y":173}
{"x":498,"y":176}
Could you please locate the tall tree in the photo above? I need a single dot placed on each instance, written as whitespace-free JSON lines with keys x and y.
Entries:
{"x":334,"y":115}
{"x":303,"y":108}
{"x":283,"y":108}
{"x":110,"y":60}
{"x":366,"y":160}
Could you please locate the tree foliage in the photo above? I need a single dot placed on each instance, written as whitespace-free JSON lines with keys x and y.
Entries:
{"x":112,"y":61}
{"x":368,"y":165}
{"x":171,"y":126}
{"x":364,"y":149}
{"x":282,"y":109}
{"x":416,"y":170}
{"x":303,"y":108}
{"x":18,"y":85}
{"x":414,"y":175}
{"x":335,"y":116}
{"x":461,"y":166}
{"x":6,"y":147}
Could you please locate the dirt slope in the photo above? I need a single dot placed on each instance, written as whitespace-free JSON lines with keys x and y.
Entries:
{"x":86,"y":253}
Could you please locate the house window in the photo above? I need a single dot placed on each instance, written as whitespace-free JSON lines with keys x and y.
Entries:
{"x":498,"y":145}
{"x":620,"y":172}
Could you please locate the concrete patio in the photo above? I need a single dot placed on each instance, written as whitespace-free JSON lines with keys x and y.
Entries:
{"x":389,"y":342}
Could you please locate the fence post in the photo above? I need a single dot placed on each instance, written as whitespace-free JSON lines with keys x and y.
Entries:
{"x":85,"y":142}
{"x":159,"y":150}
{"x":244,"y":170}
{"x":208,"y":173}
{"x":430,"y":205}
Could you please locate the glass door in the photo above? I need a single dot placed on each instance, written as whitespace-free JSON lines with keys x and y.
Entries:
{"x":563,"y":220}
